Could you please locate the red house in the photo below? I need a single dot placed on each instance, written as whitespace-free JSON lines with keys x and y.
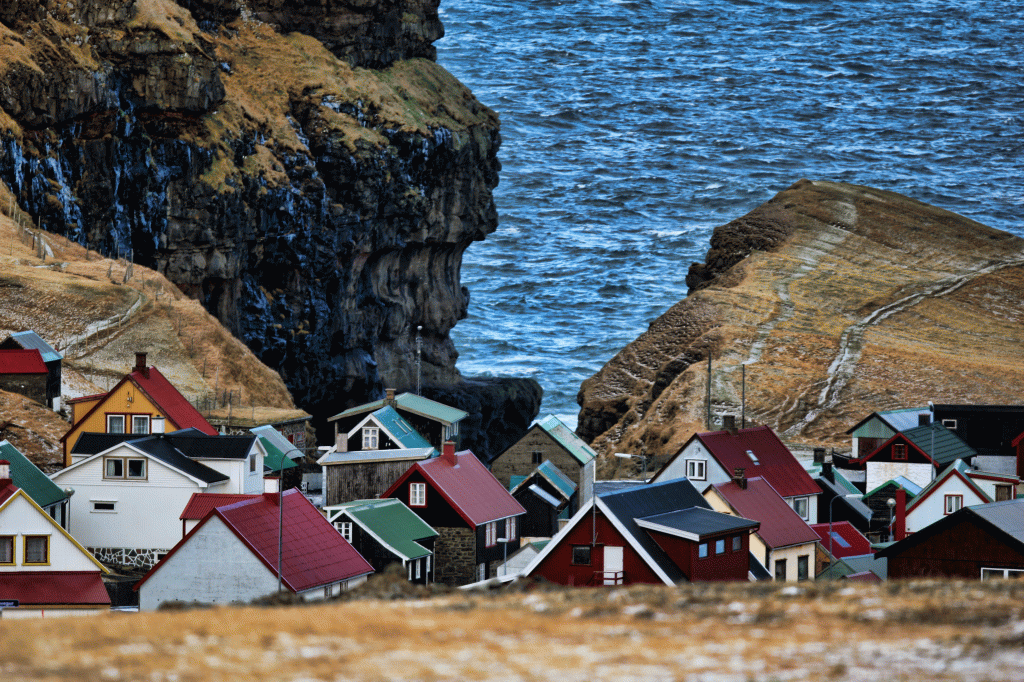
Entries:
{"x":476,"y":518}
{"x":662,"y":533}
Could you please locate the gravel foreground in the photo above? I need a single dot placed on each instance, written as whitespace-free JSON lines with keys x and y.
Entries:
{"x":704,"y":633}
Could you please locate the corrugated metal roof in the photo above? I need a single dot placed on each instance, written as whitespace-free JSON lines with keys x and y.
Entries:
{"x":565,"y":437}
{"x":845,"y":539}
{"x":167,"y":398}
{"x":556,"y":478}
{"x":29,"y":340}
{"x":760,"y":452}
{"x":376,"y":456}
{"x":472,"y":490}
{"x":402,"y":431}
{"x":55,"y":588}
{"x":277,"y":438}
{"x":201,"y":504}
{"x":946,"y":446}
{"x":21,"y":362}
{"x":391,"y":522}
{"x":1007,"y":516}
{"x":780,"y":525}
{"x":412,"y":403}
{"x":275,"y":459}
{"x":29,"y":478}
{"x":699,"y":521}
{"x":904,"y":419}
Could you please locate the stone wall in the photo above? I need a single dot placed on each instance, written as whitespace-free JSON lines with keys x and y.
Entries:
{"x":128,"y":557}
{"x":455,"y":556}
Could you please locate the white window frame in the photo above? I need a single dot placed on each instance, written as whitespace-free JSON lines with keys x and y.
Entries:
{"x":949,"y":424}
{"x":491,"y":534}
{"x":510,"y":528}
{"x":140,"y":418}
{"x":417,"y":494}
{"x":371,"y":438}
{"x":419,"y":567}
{"x":697,"y":469}
{"x":111,"y":418}
{"x":96,"y":510}
{"x":806,"y":503}
{"x":998,"y":573}
{"x":345,"y":528}
{"x":952,"y":503}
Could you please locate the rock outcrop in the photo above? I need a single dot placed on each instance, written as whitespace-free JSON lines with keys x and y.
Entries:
{"x":303,"y":168}
{"x":838,"y":300}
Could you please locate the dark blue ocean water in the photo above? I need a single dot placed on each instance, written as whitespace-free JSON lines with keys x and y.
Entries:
{"x":632,"y":129}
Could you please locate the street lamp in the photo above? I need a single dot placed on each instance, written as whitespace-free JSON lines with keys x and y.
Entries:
{"x":642,"y":458}
{"x":504,"y":555}
{"x":891,"y":503}
{"x":830,"y":507}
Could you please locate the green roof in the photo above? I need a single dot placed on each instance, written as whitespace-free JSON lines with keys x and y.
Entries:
{"x":275,"y":457}
{"x":413,"y":403}
{"x":390,"y":522}
{"x":29,"y":478}
{"x":940,"y":443}
{"x":841,"y":481}
{"x":402,"y":431}
{"x":567,"y":439}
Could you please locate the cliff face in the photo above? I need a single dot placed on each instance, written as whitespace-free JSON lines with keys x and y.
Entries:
{"x":302,"y":168}
{"x":839,"y":300}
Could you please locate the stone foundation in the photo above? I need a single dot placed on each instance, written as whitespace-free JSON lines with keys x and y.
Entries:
{"x":124,"y":556}
{"x":455,"y":556}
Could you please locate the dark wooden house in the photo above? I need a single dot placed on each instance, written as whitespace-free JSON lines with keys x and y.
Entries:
{"x":990,"y":430}
{"x":29,"y":340}
{"x":982,"y":542}
{"x":366,"y":474}
{"x":23,"y":372}
{"x":545,"y":493}
{"x":476,"y":518}
{"x":434,"y":421}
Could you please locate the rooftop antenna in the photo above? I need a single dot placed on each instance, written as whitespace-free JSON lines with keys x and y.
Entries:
{"x":419,"y":356}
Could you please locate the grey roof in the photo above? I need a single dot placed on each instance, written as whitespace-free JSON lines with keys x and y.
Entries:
{"x":277,"y":438}
{"x":376,"y":456}
{"x":946,"y":446}
{"x":553,"y":475}
{"x":648,"y":500}
{"x":897,"y":420}
{"x":696,"y":521}
{"x":1007,"y":516}
{"x":29,"y":340}
{"x":424,"y":407}
{"x":607,"y":487}
{"x":853,"y":503}
{"x":852,"y":565}
{"x":544,"y":495}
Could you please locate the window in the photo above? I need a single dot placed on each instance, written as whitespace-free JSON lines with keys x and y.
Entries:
{"x":370,"y":434}
{"x":115,"y":423}
{"x":995,"y":573}
{"x":702,"y":550}
{"x":491,"y":534}
{"x":696,"y":469}
{"x":6,"y":549}
{"x":345,"y":528}
{"x":800,"y":505}
{"x":104,"y":505}
{"x":954,"y":503}
{"x":252,"y":463}
{"x":37,"y":549}
{"x":481,"y":572}
{"x":720,"y":546}
{"x":537,"y":456}
{"x":140,"y":423}
{"x":949,"y":424}
{"x":581,"y":555}
{"x":115,"y":467}
{"x":417,"y":494}
{"x":753,"y":457}
{"x":1003,"y":493}
{"x":418,"y":568}
{"x":780,"y":570}
{"x":510,"y":529}
{"x":899,"y":451}
{"x":737,"y":543}
{"x":803,"y":567}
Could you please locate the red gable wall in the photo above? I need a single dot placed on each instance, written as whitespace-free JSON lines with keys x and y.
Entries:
{"x":729,"y":565}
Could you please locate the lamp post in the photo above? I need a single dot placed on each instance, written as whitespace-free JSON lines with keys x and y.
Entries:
{"x":642,"y":458}
{"x":830,"y":507}
{"x":931,"y":427}
{"x":891,"y":503}
{"x":504,"y":555}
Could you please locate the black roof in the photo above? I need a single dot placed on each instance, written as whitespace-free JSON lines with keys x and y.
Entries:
{"x":701,"y":521}
{"x":90,"y":443}
{"x":178,"y":449}
{"x":649,"y":500}
{"x":161,"y":447}
{"x":199,"y":445}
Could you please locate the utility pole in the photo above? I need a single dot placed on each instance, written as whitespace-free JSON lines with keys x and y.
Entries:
{"x":709,"y":391}
{"x":419,"y":359}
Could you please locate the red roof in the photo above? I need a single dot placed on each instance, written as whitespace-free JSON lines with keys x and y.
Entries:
{"x":201,"y":504}
{"x":175,"y":406}
{"x":314,"y":553}
{"x":775,"y":463}
{"x":467,"y":485}
{"x":22,"y":362}
{"x":780,"y":525}
{"x":848,"y":541}
{"x":54,"y":588}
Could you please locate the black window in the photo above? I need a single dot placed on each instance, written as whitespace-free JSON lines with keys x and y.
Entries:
{"x":780,"y":570}
{"x":538,"y":457}
{"x":802,"y":567}
{"x":737,"y":543}
{"x":581,"y":555}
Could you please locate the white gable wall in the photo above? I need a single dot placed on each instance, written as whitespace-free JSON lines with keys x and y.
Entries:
{"x":880,"y":472}
{"x":933,"y":508}
{"x":213,"y":567}
{"x":243,"y":481}
{"x":145,"y":512}
{"x":20,"y":518}
{"x":715,"y":473}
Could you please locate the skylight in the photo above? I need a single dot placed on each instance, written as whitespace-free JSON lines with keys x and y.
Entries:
{"x":752,"y":456}
{"x":839,"y":539}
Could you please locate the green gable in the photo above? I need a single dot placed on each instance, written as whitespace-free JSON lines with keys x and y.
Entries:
{"x":275,"y":457}
{"x":29,"y":478}
{"x":389,"y":521}
{"x":567,"y":439}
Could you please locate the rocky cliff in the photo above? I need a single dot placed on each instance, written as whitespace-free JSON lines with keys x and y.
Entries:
{"x":838,"y":300}
{"x":302,"y":168}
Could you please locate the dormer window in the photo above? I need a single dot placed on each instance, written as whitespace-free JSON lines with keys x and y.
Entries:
{"x":370,"y":437}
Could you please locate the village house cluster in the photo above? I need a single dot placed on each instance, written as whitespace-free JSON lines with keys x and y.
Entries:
{"x":155,"y":504}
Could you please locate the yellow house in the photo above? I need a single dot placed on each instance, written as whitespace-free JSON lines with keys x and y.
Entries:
{"x":143,"y":402}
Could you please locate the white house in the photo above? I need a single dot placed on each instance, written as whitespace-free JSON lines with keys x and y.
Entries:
{"x":128,"y":498}
{"x":42,"y":567}
{"x":958,"y":486}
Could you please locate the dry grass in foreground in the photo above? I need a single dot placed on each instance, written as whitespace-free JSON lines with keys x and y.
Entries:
{"x":722,"y":633}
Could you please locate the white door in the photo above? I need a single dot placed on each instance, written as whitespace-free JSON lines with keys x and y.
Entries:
{"x":612,"y":565}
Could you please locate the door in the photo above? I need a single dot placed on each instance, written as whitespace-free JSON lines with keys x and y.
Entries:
{"x":612,"y":565}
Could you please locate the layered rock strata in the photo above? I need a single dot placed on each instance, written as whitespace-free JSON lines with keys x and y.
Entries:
{"x":303,"y":169}
{"x":838,"y":300}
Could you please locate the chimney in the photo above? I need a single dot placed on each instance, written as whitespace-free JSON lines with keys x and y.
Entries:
{"x":924,"y":419}
{"x":819,"y":455}
{"x":899,"y":523}
{"x":826,"y":472}
{"x":389,"y":396}
{"x":739,"y":477}
{"x":448,"y":452}
{"x":140,"y":365}
{"x":5,"y":470}
{"x":729,"y":423}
